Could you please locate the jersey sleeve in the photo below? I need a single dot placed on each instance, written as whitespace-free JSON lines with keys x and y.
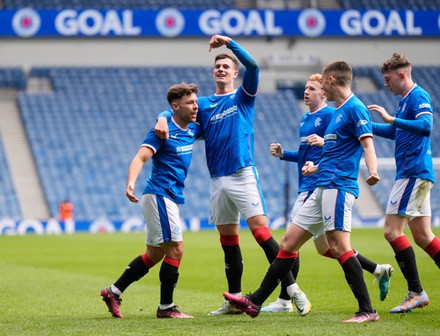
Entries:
{"x":251,"y":74}
{"x":152,"y":141}
{"x":362,"y":120}
{"x":290,"y":155}
{"x":166,"y":114}
{"x":422,"y":125}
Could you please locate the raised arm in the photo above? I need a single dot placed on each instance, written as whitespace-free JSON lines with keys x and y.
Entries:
{"x":251,"y":74}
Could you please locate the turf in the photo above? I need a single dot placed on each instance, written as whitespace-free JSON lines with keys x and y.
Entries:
{"x":50,"y":286}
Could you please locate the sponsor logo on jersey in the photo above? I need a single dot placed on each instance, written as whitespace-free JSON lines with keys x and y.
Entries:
{"x":213,"y":105}
{"x":26,"y":22}
{"x":225,"y":114}
{"x":425,"y":105}
{"x":362,"y":122}
{"x":393,"y":202}
{"x":311,"y":22}
{"x":182,"y":150}
{"x":170,"y":22}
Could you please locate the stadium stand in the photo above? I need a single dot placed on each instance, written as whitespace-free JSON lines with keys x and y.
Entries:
{"x":391,"y":4}
{"x":85,"y":133}
{"x":9,"y":206}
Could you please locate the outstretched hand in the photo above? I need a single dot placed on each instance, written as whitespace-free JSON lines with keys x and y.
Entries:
{"x":217,"y":41}
{"x":382,"y":112}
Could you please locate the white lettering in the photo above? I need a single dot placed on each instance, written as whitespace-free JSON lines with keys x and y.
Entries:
{"x":53,"y":227}
{"x":374,"y":23}
{"x":30,"y":224}
{"x":234,"y":22}
{"x":92,"y":22}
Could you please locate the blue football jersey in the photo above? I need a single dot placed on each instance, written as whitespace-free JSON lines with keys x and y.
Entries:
{"x":413,"y":151}
{"x":311,"y":123}
{"x":342,"y":151}
{"x":228,"y":128}
{"x":171,"y":160}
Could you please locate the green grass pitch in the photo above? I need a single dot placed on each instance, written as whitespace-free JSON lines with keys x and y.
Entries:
{"x":50,"y":286}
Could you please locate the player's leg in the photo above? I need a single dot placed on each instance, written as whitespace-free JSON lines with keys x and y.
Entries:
{"x":169,"y":275}
{"x":292,"y":240}
{"x":425,"y":238}
{"x":284,"y":302}
{"x":336,"y":214}
{"x":139,"y":266}
{"x":382,"y":272}
{"x":224,"y":214}
{"x":408,"y":199}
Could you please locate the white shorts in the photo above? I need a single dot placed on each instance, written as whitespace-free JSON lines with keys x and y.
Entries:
{"x":163,"y":220}
{"x":326,"y":210}
{"x":236,"y":194}
{"x":300,"y":200}
{"x":410,"y":197}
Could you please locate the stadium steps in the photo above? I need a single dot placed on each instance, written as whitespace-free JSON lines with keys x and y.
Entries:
{"x":367,"y":204}
{"x":18,"y":153}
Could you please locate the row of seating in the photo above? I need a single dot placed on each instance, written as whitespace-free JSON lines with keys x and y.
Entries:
{"x":203,"y":4}
{"x":118,"y":4}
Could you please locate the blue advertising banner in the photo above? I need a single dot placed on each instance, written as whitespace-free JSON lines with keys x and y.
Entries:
{"x":171,"y":22}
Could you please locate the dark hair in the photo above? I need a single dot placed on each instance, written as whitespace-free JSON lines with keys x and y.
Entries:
{"x":395,"y":62}
{"x":230,"y":56}
{"x":177,"y":91}
{"x":341,"y":71}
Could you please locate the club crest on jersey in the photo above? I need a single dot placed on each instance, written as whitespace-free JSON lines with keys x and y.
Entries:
{"x":339,"y":118}
{"x":318,"y":122}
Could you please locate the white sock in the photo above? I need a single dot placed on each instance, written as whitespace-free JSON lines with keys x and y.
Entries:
{"x":283,"y":302}
{"x":378,"y":269}
{"x":115,"y":290}
{"x":166,"y":306}
{"x":293,"y":289}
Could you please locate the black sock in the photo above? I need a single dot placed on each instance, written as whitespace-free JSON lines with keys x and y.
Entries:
{"x":355,"y":279}
{"x":134,"y":271}
{"x":271,"y":249}
{"x":233,"y":267}
{"x":277,"y":271}
{"x":407,"y":263}
{"x":437,"y":259}
{"x":168,"y":276}
{"x":366,"y":263}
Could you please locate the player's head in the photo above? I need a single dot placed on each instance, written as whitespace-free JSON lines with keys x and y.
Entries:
{"x":314,"y":96}
{"x":396,"y":73}
{"x":225,"y":68}
{"x":336,"y":75}
{"x":183,"y":100}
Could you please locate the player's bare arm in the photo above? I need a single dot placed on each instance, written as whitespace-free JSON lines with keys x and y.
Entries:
{"x":217,"y":41}
{"x":309,"y":168}
{"x":370,"y":160}
{"x":142,"y":156}
{"x":315,"y":140}
{"x":382,"y":112}
{"x":276,"y":150}
{"x":161,"y":128}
